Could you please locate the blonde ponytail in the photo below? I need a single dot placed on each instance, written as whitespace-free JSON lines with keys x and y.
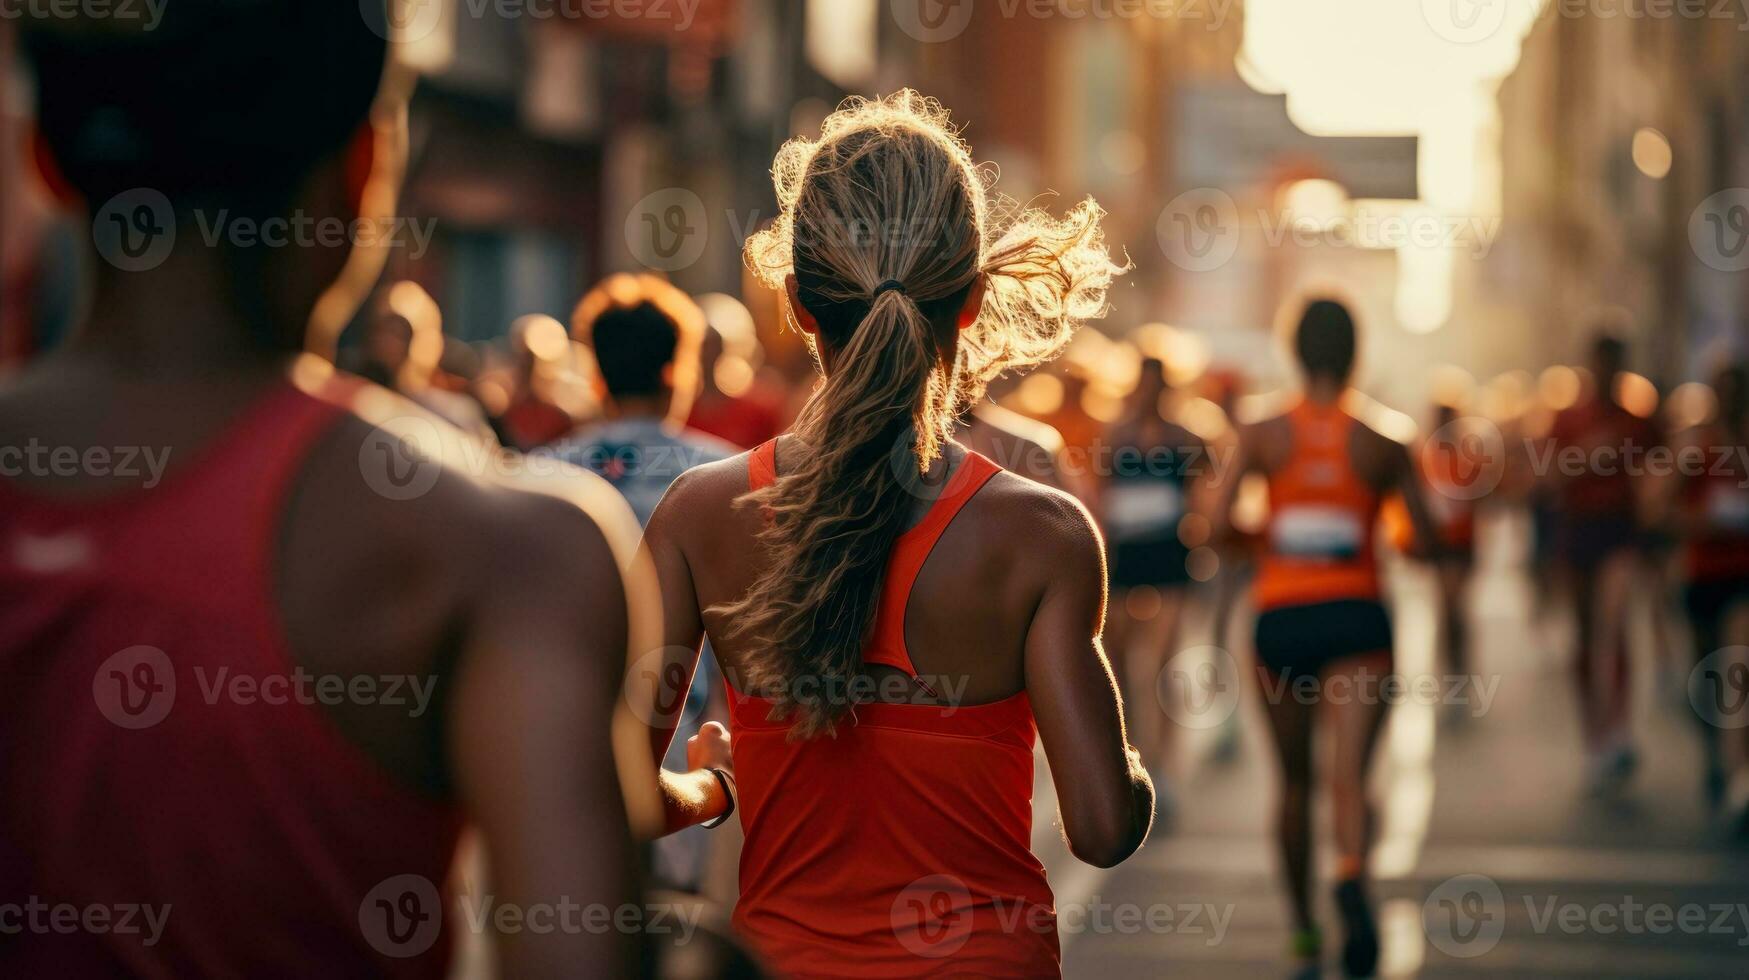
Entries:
{"x":888,"y":194}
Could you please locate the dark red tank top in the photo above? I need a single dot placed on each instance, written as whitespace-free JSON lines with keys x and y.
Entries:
{"x":1718,"y":501}
{"x":190,"y":831}
{"x":902,"y":846}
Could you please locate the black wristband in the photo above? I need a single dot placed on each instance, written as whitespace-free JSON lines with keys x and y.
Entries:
{"x":728,"y":783}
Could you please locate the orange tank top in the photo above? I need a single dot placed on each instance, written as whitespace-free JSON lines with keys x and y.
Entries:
{"x":1319,"y":540}
{"x":901,"y":847}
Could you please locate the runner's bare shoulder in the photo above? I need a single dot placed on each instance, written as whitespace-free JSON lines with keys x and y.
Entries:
{"x":399,"y":504}
{"x":1045,"y":529}
{"x":702,"y":502}
{"x":1382,"y":439}
{"x":1264,"y":431}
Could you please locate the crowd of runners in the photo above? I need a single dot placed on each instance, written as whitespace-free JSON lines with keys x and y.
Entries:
{"x":858,"y":602}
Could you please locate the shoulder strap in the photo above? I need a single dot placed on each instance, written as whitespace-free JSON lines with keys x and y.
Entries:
{"x":974,"y":472}
{"x":909,"y":553}
{"x":762,"y":465}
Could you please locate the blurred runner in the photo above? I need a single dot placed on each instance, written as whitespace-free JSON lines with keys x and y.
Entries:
{"x":403,"y":348}
{"x":1237,"y":548}
{"x":1081,"y":433}
{"x":1016,"y":443}
{"x":1448,"y":468}
{"x":1320,"y":621}
{"x":170,"y":648}
{"x":533,"y":418}
{"x":730,"y":358}
{"x":1660,"y":543}
{"x":1713,"y":518}
{"x":1156,"y":466}
{"x":1597,"y":536}
{"x":899,"y":619}
{"x":644,"y":334}
{"x":1448,"y":464}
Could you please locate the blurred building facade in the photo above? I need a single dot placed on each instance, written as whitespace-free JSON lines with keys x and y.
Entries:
{"x":1616,"y":132}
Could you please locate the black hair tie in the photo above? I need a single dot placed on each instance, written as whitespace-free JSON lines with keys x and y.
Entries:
{"x":883,"y":287}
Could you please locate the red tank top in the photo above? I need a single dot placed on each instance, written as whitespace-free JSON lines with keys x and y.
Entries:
{"x":1600,"y":480}
{"x":1445,"y":470}
{"x":1718,"y":500}
{"x":212,"y":834}
{"x":1319,"y":541}
{"x":902,"y":846}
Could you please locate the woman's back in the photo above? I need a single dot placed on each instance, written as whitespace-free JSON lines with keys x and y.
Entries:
{"x":905,"y":837}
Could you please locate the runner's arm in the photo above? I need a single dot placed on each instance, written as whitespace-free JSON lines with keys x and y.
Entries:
{"x":662,"y":677}
{"x":1106,"y":798}
{"x":529,"y":733}
{"x":1402,"y":475}
{"x":1214,"y":497}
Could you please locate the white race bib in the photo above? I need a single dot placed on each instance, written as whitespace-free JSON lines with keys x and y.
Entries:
{"x":1136,"y":508}
{"x":1316,"y":532}
{"x":1727,"y":507}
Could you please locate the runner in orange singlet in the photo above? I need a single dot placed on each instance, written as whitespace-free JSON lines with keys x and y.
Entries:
{"x":1323,"y":636}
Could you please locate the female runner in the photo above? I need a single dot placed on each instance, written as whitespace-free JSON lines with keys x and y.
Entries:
{"x":896,"y":617}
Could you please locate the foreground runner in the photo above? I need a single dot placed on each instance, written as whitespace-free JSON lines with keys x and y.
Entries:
{"x":1597,"y":538}
{"x":890,"y":640}
{"x":1320,"y":622}
{"x":258,"y":697}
